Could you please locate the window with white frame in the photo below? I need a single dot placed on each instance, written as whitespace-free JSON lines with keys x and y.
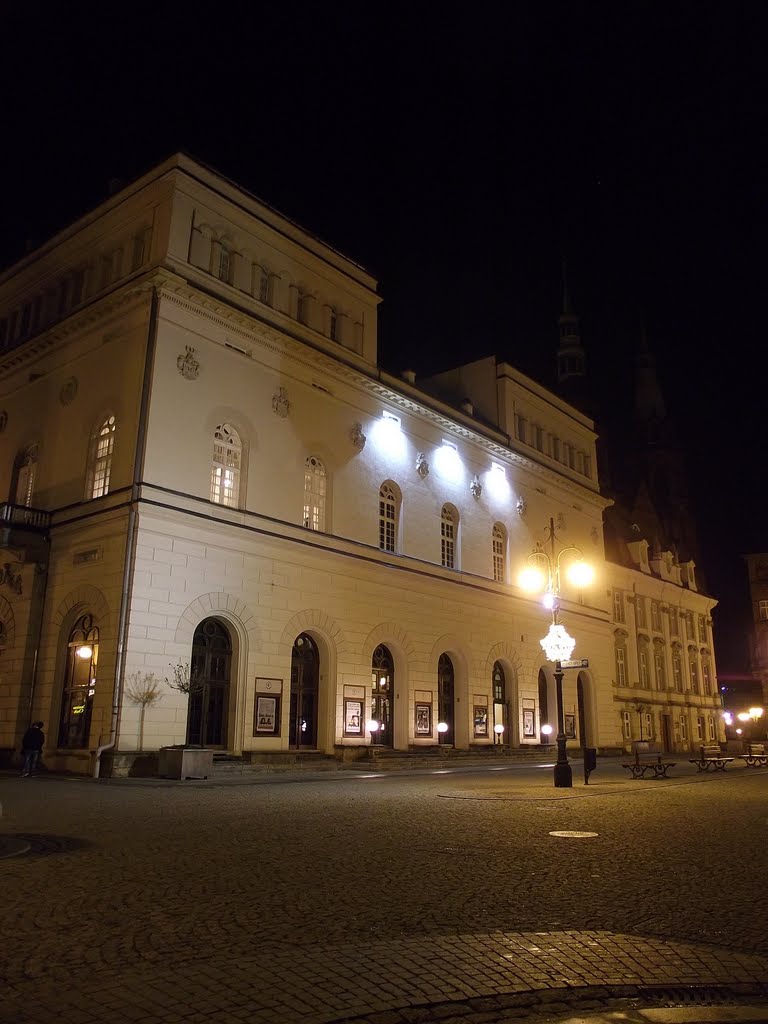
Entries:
{"x":387,"y":517}
{"x":694,"y":675}
{"x":100,"y":458}
{"x":642,"y":664}
{"x":226,"y":464}
{"x":224,"y":268}
{"x":26,"y":471}
{"x":648,"y":716}
{"x":706,"y":678}
{"x":656,"y":616}
{"x":626,"y":725}
{"x":711,"y":728}
{"x":702,"y":629}
{"x":640,"y":612}
{"x":448,"y":537}
{"x":621,"y":664}
{"x":618,"y":606}
{"x":677,"y":672}
{"x":499,"y":543}
{"x":315,"y":486}
{"x":660,"y":668}
{"x":683,"y":727}
{"x":674,"y":623}
{"x":762,"y":610}
{"x":700,"y":728}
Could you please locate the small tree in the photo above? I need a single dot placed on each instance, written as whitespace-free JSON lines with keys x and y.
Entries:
{"x":184,"y":680}
{"x":143,"y":691}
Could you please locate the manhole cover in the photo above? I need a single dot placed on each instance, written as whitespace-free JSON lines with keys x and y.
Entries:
{"x":574,"y":835}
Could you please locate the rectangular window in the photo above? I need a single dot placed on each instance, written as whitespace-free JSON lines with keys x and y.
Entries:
{"x":763,"y":610}
{"x":649,"y":725}
{"x":225,"y":264}
{"x":621,"y":666}
{"x":264,"y":287}
{"x":556,"y":448}
{"x":711,"y":724}
{"x":661,"y":675}
{"x":522,"y":429}
{"x":706,"y":679}
{"x":618,"y":606}
{"x":333,"y":325}
{"x":694,"y":677}
{"x":640,"y":606}
{"x":702,"y":629}
{"x":642,"y":660}
{"x":448,"y":543}
{"x":656,"y":616}
{"x":677,"y":673}
{"x":700,"y":728}
{"x":683,"y":727}
{"x":301,"y":307}
{"x":626,"y":725}
{"x":387,"y":519}
{"x":498,"y":557}
{"x":674,"y":628}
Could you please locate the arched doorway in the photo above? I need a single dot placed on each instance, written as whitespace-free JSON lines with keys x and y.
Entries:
{"x":382,"y":688}
{"x":446,"y":686}
{"x":79,"y":684}
{"x":500,"y":705}
{"x":209,"y":675}
{"x":305,"y":678}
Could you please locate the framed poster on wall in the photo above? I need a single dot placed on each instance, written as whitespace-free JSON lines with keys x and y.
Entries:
{"x":480,"y":719}
{"x":570,"y":727}
{"x":422,"y":720}
{"x":529,"y":722}
{"x":353,"y":718}
{"x":266,"y":716}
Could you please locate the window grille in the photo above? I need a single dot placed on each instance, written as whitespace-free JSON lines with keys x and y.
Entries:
{"x":315,"y":482}
{"x":225,"y":467}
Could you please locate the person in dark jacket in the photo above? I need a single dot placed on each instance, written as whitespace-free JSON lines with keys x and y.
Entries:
{"x":31,"y":746}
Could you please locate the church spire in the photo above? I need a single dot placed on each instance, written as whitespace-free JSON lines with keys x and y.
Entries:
{"x":649,"y":402}
{"x":571,"y":357}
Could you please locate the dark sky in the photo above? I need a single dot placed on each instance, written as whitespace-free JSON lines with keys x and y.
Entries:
{"x":460,"y":156}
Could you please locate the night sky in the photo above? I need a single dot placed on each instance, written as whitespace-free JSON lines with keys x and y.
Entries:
{"x":461,"y":158}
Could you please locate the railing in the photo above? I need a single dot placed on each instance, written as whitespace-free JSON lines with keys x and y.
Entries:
{"x":20,"y":515}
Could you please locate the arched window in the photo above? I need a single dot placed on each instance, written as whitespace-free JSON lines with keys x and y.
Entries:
{"x":387,"y":517}
{"x":499,"y":543}
{"x":25,"y":471}
{"x":382,"y":695}
{"x":448,"y":531}
{"x":79,"y":684}
{"x":445,"y":698}
{"x":100,"y":458}
{"x":225,"y":469}
{"x":315,"y":482}
{"x":224,"y":269}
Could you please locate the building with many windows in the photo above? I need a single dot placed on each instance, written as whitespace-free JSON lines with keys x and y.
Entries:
{"x":212,"y":483}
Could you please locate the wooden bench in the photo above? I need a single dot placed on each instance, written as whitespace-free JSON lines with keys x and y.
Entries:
{"x":710,"y":756}
{"x":756,"y":756}
{"x":657,"y":767}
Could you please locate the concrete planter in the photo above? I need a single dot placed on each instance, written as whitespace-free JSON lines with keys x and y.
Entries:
{"x":185,"y":763}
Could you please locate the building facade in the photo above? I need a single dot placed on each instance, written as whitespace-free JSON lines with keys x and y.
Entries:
{"x":227,"y":526}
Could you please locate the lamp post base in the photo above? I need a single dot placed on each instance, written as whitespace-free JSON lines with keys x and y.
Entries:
{"x":563,"y":776}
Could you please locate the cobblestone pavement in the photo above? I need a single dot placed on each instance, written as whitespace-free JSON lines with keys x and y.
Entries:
{"x":385,"y":900}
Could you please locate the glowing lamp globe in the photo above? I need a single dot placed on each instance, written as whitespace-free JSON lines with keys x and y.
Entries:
{"x":84,"y":652}
{"x":581,"y":574}
{"x":557,"y":644}
{"x":372,"y":725}
{"x":442,"y":727}
{"x":498,"y":729}
{"x":546,"y":730}
{"x":532,"y":579}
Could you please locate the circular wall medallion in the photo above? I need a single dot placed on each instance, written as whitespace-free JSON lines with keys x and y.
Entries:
{"x":574,"y":835}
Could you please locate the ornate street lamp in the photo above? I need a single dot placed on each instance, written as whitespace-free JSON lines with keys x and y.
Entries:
{"x":543,"y":573}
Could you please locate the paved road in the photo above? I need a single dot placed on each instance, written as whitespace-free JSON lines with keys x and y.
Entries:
{"x":404,"y":897}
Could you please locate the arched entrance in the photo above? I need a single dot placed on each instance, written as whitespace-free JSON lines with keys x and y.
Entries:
{"x":382,"y":688}
{"x":500,"y":705}
{"x":446,"y":686}
{"x":79,"y":684}
{"x":305,"y":678}
{"x":209,"y":675}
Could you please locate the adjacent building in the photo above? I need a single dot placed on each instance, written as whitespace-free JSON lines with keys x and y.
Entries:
{"x":227,"y":525}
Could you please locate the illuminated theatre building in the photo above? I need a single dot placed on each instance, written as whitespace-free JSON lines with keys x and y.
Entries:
{"x":210,"y":481}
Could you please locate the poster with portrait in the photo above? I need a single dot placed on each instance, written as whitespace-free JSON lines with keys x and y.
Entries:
{"x":480,"y":719}
{"x":529,"y":722}
{"x":423,"y":720}
{"x":353,"y":718}
{"x":266,"y":718}
{"x":570,"y":727}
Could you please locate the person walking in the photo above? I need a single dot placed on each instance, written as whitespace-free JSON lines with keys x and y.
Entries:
{"x":31,"y":746}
